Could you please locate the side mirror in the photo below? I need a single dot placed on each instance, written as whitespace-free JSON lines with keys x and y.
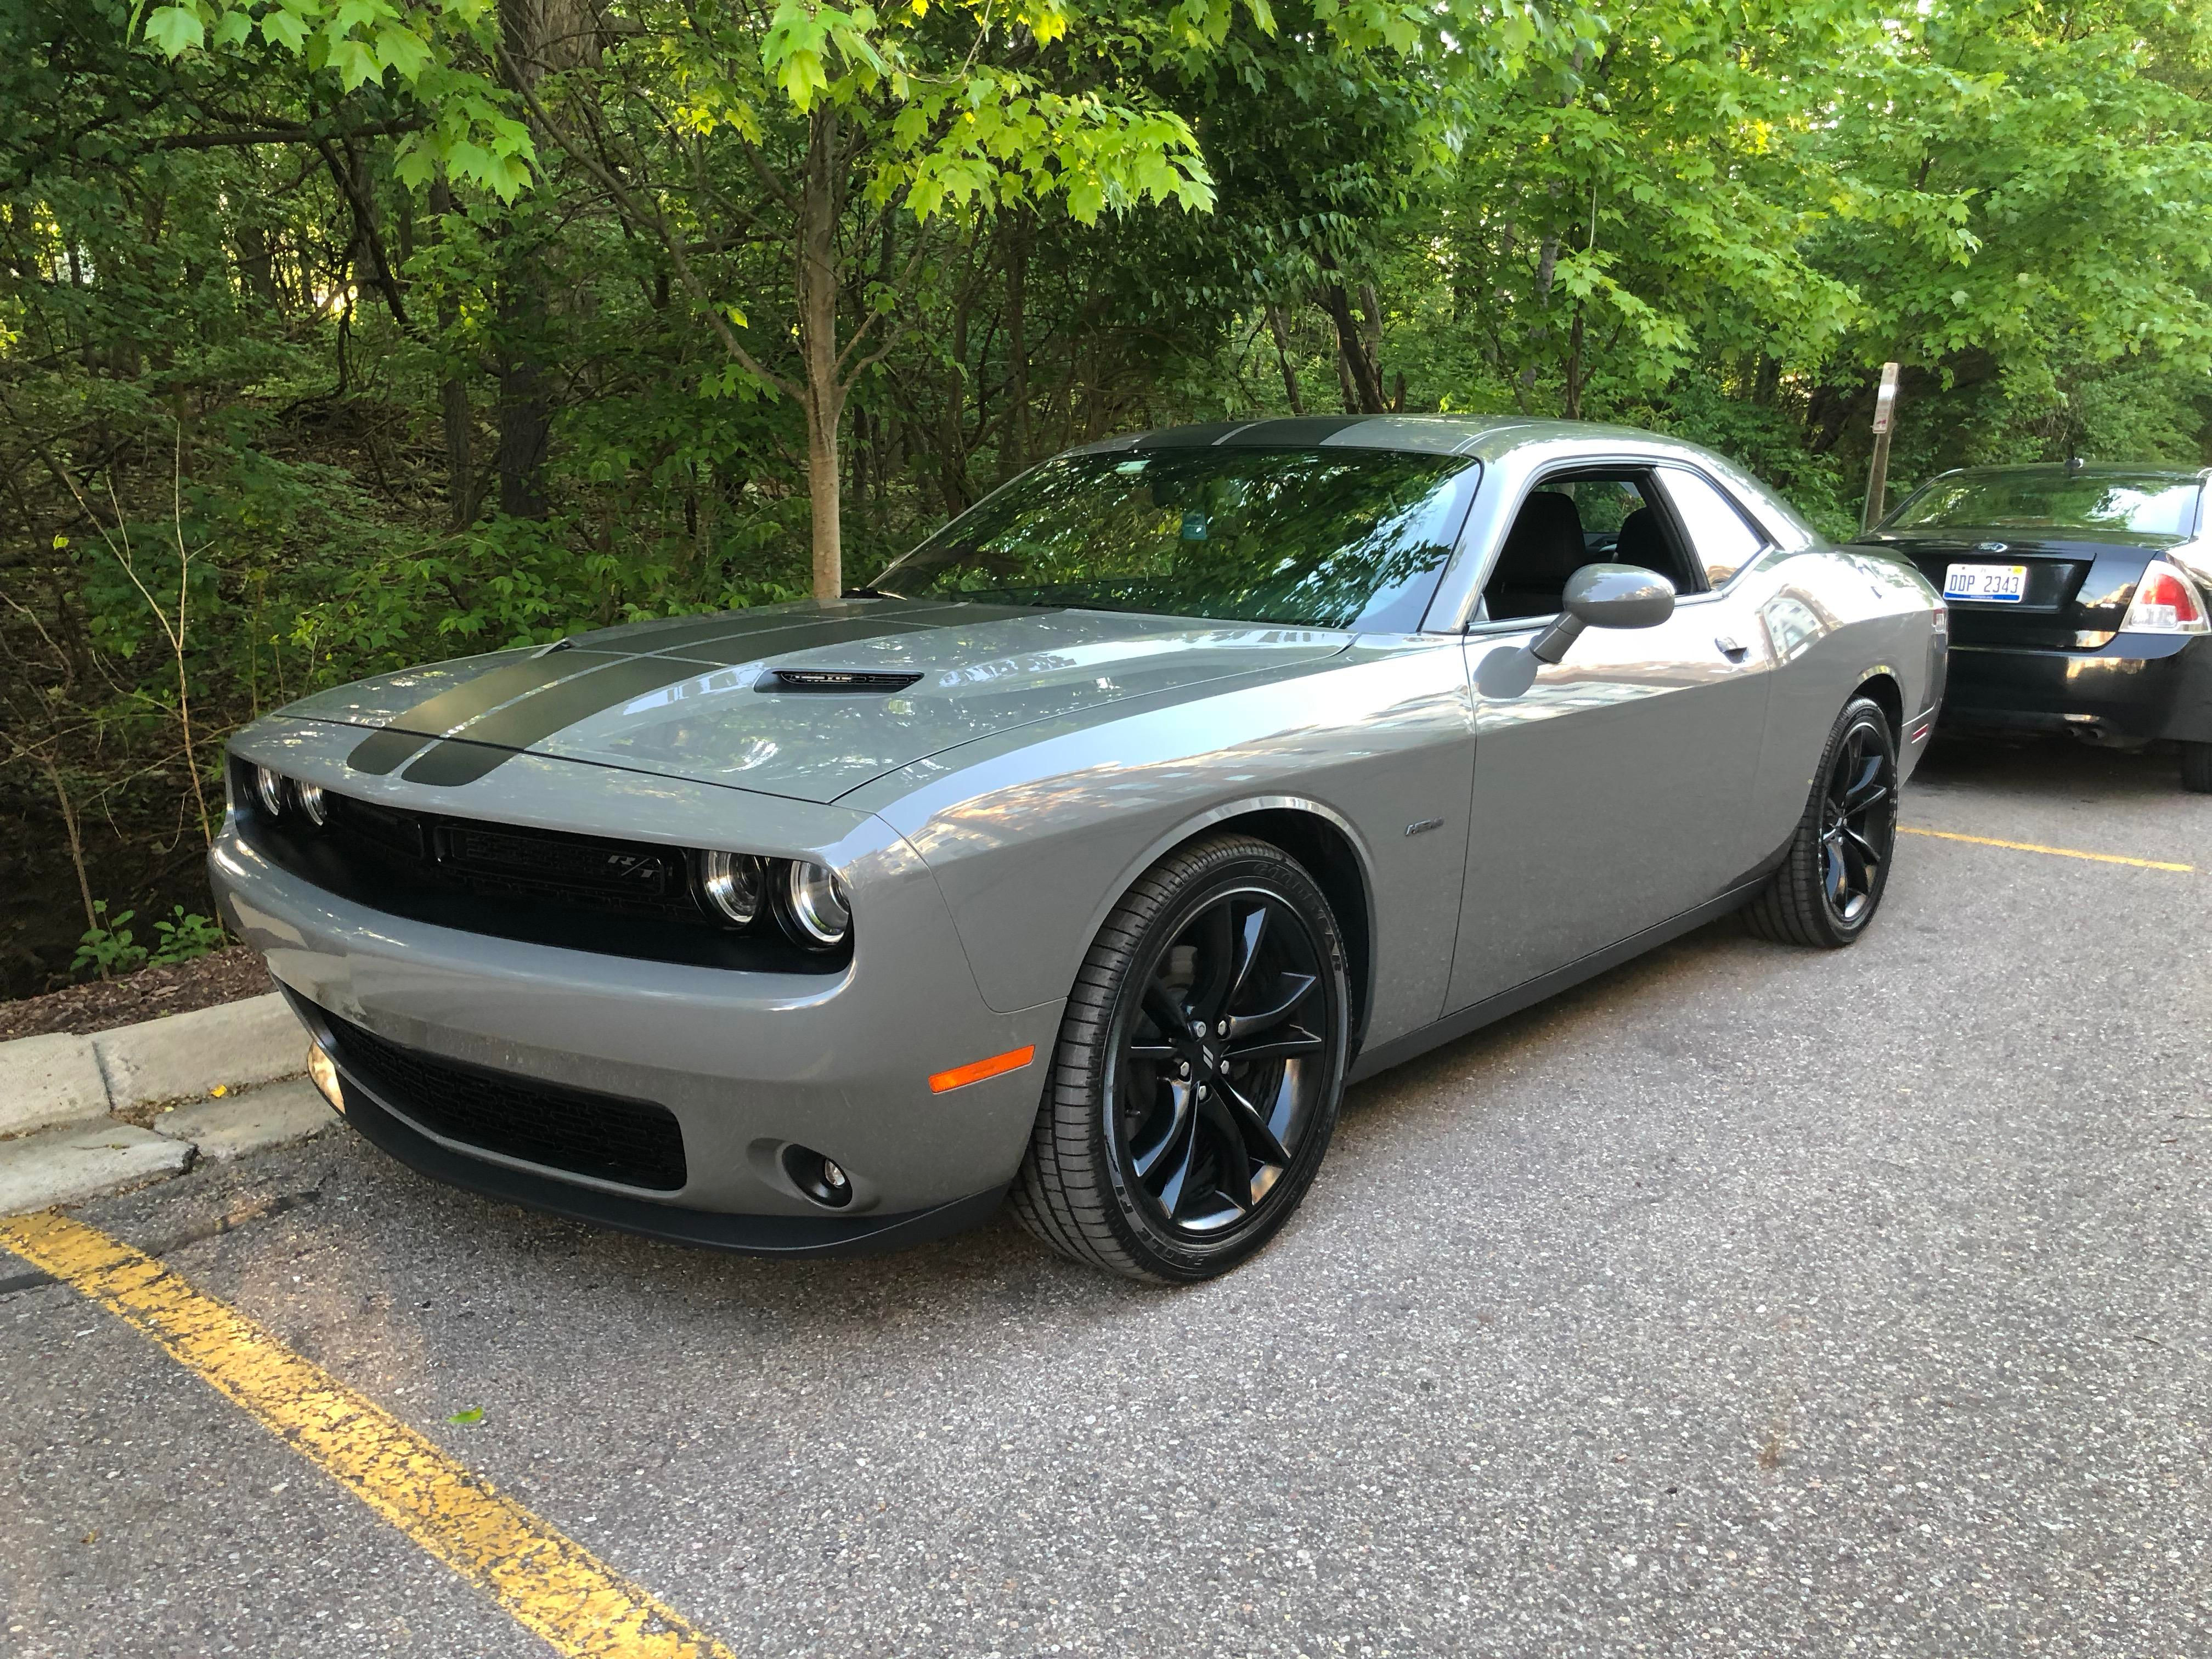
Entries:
{"x":1597,"y":596}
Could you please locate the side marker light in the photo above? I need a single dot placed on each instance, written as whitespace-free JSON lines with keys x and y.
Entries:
{"x":976,"y":1071}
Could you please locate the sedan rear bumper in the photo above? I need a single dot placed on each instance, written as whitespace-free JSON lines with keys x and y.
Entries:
{"x":2139,"y":688}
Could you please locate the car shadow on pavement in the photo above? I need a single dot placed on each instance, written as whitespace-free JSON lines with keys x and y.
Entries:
{"x":2047,"y":765}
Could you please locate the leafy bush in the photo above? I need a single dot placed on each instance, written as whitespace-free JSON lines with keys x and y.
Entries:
{"x":187,"y":935}
{"x":107,"y":947}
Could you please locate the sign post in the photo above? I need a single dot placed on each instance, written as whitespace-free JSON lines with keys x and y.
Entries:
{"x":1885,"y":417}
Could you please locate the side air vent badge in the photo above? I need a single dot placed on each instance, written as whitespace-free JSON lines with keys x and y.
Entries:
{"x":832,"y":679}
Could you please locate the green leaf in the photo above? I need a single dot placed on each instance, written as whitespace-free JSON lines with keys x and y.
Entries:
{"x":467,"y":1414}
{"x":174,"y":30}
{"x":402,"y":49}
{"x":282,"y":28}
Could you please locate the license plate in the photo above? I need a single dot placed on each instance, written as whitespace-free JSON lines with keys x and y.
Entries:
{"x":2005,"y":584}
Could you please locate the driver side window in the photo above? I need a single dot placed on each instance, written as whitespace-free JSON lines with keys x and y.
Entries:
{"x":1596,"y":516}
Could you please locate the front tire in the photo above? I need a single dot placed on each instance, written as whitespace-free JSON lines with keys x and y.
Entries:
{"x":1198,"y":1070}
{"x":1832,"y":879}
{"x":2196,"y":768}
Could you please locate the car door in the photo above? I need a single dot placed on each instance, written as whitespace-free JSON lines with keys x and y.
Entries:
{"x":1612,"y":796}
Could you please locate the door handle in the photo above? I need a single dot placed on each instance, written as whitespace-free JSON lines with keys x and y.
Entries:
{"x":1731,"y":650}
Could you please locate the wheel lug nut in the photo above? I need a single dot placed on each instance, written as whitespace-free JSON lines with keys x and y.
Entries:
{"x":1184,"y":1068}
{"x":1201,"y":1091}
{"x":1222,"y":1030}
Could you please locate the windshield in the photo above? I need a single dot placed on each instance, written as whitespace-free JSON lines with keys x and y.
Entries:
{"x":1311,"y":537}
{"x":2050,"y":498}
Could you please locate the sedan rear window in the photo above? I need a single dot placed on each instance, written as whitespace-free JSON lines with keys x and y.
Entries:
{"x":2050,"y":498}
{"x":1308,"y":537}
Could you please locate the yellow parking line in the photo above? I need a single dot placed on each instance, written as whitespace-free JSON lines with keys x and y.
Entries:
{"x":549,"y":1583}
{"x":2055,"y":852}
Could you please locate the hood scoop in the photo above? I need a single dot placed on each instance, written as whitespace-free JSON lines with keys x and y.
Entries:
{"x":833,"y":679}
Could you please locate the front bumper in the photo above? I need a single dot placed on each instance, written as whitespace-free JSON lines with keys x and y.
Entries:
{"x":747,"y":1063}
{"x":792,"y":1236}
{"x":2139,"y":688}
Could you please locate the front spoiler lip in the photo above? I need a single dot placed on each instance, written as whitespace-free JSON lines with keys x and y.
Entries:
{"x":794,"y":1237}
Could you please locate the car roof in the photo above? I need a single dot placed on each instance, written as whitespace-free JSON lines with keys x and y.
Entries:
{"x":2086,"y":469}
{"x":1477,"y":435}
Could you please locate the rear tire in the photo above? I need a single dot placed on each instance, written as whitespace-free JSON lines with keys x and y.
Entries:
{"x":1198,"y":1070}
{"x":2196,"y":768}
{"x":1832,"y":879}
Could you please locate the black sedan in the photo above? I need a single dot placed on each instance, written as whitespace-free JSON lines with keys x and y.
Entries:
{"x":2080,"y":600}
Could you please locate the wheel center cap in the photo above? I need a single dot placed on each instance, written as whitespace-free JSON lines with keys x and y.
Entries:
{"x":1213,"y":1061}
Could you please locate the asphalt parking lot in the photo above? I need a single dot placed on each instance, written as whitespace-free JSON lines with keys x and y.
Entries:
{"x":1746,"y":1300}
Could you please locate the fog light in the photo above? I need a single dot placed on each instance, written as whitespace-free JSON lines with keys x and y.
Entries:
{"x":325,"y":1075}
{"x":818,"y":1177}
{"x":269,"y":790}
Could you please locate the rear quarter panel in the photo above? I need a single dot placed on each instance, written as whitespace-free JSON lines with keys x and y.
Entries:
{"x":1834,"y":617}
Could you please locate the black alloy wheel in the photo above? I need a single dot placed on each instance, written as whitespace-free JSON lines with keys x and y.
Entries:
{"x":1831,"y":880}
{"x":1858,"y":822}
{"x":1199,"y":1070}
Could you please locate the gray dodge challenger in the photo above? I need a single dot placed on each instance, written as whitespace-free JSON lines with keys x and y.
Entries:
{"x":1089,"y":853}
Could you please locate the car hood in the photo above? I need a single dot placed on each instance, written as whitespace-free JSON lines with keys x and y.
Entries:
{"x":808,"y":701}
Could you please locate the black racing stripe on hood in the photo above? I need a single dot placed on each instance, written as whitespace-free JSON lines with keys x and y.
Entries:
{"x":456,"y":762}
{"x":530,"y":716}
{"x":436,"y":715}
{"x":497,"y":736}
{"x":381,"y":751}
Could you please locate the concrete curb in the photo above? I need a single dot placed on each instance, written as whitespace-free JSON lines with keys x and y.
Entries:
{"x":255,"y":1121}
{"x":57,"y":1093}
{"x":78,"y":1161}
{"x":235,"y":1046}
{"x":46,"y":1080}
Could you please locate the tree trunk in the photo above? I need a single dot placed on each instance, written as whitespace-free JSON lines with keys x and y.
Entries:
{"x":819,"y":204}
{"x":454,"y":418}
{"x":1275,"y":326}
{"x":1346,"y":386}
{"x":1768,"y":381}
{"x":257,"y":264}
{"x":1018,"y":348}
{"x":1371,"y":327}
{"x":1572,"y":406}
{"x":539,"y":37}
{"x":1366,"y":380}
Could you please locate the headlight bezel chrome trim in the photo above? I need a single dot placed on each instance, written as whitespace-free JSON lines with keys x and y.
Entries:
{"x":816,"y":909}
{"x":731,"y":886}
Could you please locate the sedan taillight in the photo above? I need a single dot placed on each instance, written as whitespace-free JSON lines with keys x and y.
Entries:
{"x":2165,"y":602}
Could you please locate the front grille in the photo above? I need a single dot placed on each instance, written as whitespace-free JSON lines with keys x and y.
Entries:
{"x":623,"y":898}
{"x":469,"y":856}
{"x":633,"y":1142}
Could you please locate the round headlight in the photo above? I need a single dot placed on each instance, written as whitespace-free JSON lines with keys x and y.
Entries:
{"x":732,"y":883}
{"x":312,"y":804}
{"x":818,"y":903}
{"x":269,"y":790}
